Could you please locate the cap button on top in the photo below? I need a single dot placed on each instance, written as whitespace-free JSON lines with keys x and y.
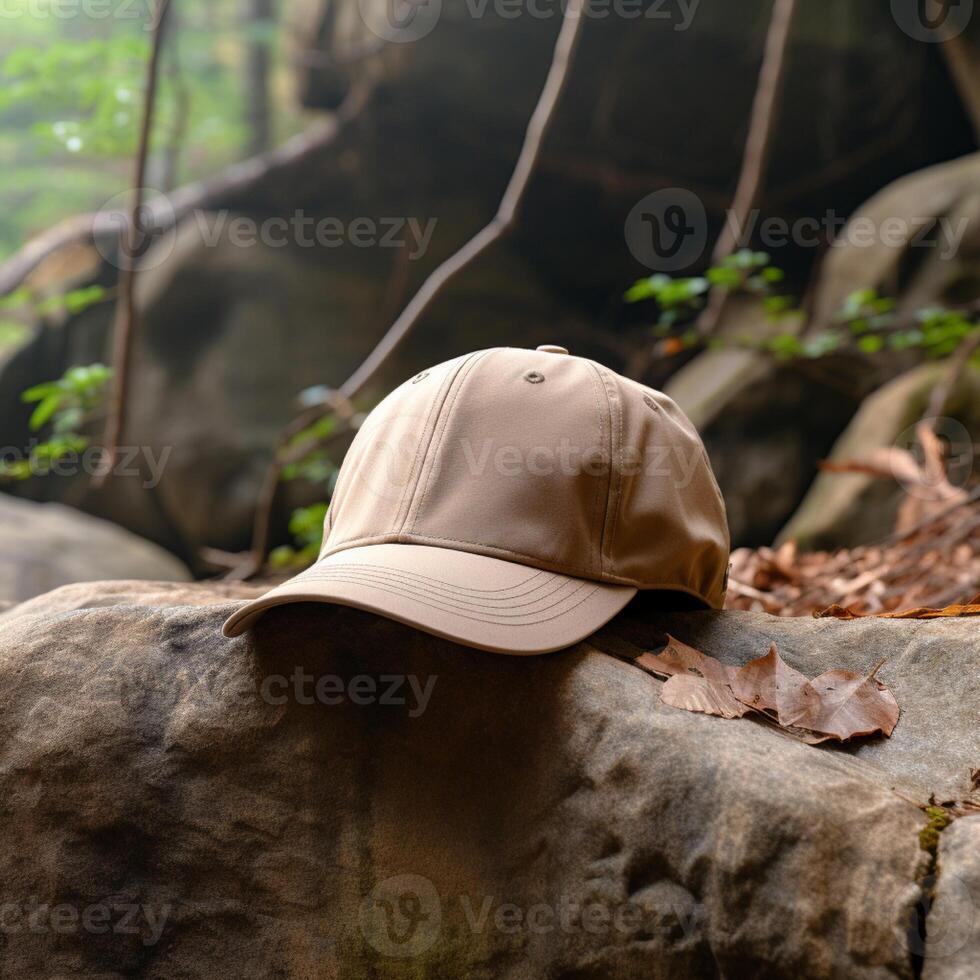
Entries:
{"x":552,"y":349}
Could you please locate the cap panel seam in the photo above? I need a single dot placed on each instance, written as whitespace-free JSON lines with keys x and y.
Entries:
{"x":597,"y":547}
{"x":616,"y":496}
{"x":612,"y":489}
{"x":465,"y":614}
{"x":419,"y":461}
{"x":438,"y":434}
{"x":532,"y":561}
{"x":343,"y":573}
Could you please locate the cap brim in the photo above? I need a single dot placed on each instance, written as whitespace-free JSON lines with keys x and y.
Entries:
{"x":482,"y":602}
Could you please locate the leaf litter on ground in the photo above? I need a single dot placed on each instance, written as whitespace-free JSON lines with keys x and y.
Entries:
{"x":836,"y":706}
{"x":924,"y":570}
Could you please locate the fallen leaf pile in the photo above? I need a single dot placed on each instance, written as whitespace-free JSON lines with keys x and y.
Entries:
{"x":837,"y":705}
{"x":927,"y":568}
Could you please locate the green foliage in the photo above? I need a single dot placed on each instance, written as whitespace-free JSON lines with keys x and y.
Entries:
{"x":867,"y":323}
{"x":71,"y":90}
{"x":306,"y":526}
{"x":939,"y":820}
{"x":308,"y":460}
{"x":677,"y":298}
{"x":77,"y":95}
{"x":680,"y":300}
{"x":64,"y":406}
{"x":19,"y":309}
{"x":12,"y":334}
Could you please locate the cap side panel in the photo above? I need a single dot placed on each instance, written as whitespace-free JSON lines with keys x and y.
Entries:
{"x":518,"y":464}
{"x":421,"y":453}
{"x":381,"y":465}
{"x":672,"y":526}
{"x":430,"y":463}
{"x":614,"y":458}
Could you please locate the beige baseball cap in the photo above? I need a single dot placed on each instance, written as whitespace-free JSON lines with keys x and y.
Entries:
{"x":515,"y":501}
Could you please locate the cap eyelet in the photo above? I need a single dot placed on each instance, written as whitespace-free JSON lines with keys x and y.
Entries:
{"x":420,"y":377}
{"x":535,"y":377}
{"x":650,"y":403}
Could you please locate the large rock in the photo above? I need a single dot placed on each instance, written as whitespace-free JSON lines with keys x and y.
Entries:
{"x":925,"y":245}
{"x":953,"y":944}
{"x":175,"y":805}
{"x":43,"y":546}
{"x":232,"y":334}
{"x":764,"y":424}
{"x":847,"y":509}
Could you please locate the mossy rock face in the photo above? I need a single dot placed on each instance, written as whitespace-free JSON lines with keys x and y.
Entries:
{"x":846,"y":509}
{"x":535,"y":817}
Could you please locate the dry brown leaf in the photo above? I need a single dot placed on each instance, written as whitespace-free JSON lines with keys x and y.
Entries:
{"x":885,"y":463}
{"x":699,"y":694}
{"x":769,"y":684}
{"x":971,"y":608}
{"x":838,"y":704}
{"x":679,"y":658}
{"x":695,"y":681}
{"x":848,"y":705}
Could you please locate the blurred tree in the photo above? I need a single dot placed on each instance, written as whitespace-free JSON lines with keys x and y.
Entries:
{"x":260,"y":27}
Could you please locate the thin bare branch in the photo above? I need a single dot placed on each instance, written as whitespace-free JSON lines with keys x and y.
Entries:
{"x":501,"y":223}
{"x":963,"y":62}
{"x":955,"y":368}
{"x":232,"y":183}
{"x":755,"y":159}
{"x":503,"y":220}
{"x":126,"y":316}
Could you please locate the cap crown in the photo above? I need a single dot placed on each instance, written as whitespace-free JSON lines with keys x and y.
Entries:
{"x":540,"y":458}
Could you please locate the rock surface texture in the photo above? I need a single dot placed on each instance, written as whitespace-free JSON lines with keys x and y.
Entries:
{"x":177,"y":804}
{"x":43,"y":546}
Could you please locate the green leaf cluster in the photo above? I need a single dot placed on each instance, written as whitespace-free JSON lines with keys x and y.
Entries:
{"x":306,"y":526}
{"x":65,"y":406}
{"x":681,"y":299}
